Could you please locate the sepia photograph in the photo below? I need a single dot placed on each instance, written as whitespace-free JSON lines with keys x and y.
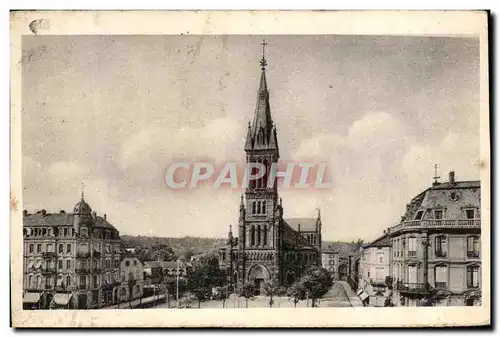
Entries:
{"x":169,"y":170}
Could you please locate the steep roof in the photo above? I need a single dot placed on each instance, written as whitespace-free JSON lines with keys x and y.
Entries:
{"x":61,"y":219}
{"x":306,"y":224}
{"x":439,"y":194}
{"x":383,"y":241}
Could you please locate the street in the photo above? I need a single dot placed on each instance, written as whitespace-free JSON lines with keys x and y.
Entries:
{"x":340,"y":295}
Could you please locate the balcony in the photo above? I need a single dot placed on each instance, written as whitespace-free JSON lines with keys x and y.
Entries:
{"x":412,"y":288}
{"x":440,"y":285}
{"x":81,"y":255}
{"x":473,"y":255}
{"x":82,"y":287}
{"x":412,"y":253}
{"x":414,"y":224}
{"x":82,"y":270}
{"x":49,"y":255}
{"x":48,"y":270}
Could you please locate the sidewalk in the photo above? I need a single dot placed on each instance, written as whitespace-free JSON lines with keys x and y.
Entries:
{"x":353,"y":298}
{"x":137,"y":302}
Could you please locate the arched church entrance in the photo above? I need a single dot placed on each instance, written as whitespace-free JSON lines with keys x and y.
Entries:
{"x":257,"y":275}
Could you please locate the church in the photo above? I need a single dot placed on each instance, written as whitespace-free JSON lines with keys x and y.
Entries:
{"x":268,"y":246}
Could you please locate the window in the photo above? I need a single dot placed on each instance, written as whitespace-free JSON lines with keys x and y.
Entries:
{"x":254,"y":207}
{"x":60,"y":264}
{"x":108,"y":248}
{"x":473,"y":276}
{"x":83,"y":281}
{"x":65,"y":232}
{"x":30,"y":281}
{"x":252,"y":236}
{"x":39,"y":248}
{"x":135,"y":262}
{"x":61,"y":248}
{"x":68,"y":281}
{"x":68,"y":248}
{"x":438,"y":214}
{"x":32,"y":248}
{"x":258,"y":235}
{"x":441,"y":276}
{"x":419,"y":215}
{"x":412,"y":274}
{"x":412,"y":247}
{"x":68,"y":264}
{"x":127,"y":263}
{"x":440,"y":246}
{"x":469,"y":213}
{"x":83,"y":231}
{"x":473,"y":247}
{"x":258,"y":207}
{"x":264,"y":207}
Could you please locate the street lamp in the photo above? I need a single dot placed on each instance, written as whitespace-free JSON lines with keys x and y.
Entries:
{"x":177,"y":283}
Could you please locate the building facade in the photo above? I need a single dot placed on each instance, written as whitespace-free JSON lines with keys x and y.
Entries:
{"x":132,"y":278}
{"x":330,"y":261}
{"x":71,"y":260}
{"x":373,"y":271}
{"x":268,"y":246}
{"x":436,"y":255}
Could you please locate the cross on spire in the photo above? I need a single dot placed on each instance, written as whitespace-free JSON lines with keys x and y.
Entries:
{"x":436,"y":177}
{"x":263,"y":62}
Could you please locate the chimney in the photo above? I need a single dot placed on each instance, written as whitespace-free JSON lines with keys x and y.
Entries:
{"x":44,"y":212}
{"x":452,"y":177}
{"x":25,"y":212}
{"x":104,"y":216}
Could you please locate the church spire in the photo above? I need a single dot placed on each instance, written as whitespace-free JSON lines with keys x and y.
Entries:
{"x":262,"y":126}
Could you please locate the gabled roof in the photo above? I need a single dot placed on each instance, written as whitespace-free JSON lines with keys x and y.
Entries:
{"x":306,"y":224}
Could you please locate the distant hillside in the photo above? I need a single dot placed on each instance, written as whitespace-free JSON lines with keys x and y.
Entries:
{"x":197,"y":245}
{"x":344,"y":248}
{"x":180,"y":246}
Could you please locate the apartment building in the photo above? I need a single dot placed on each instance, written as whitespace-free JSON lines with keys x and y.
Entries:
{"x":71,"y":260}
{"x":436,"y":254}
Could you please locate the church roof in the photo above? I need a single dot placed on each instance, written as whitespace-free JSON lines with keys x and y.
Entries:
{"x":306,"y":224}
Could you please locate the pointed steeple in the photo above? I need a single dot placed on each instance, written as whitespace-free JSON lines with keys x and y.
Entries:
{"x":262,"y":125}
{"x":249,"y":139}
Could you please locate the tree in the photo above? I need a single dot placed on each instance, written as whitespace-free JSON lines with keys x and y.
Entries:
{"x":247,"y":290}
{"x":317,"y":282}
{"x":297,"y":292}
{"x":205,"y":276}
{"x":272,"y":288}
{"x":222,"y":294}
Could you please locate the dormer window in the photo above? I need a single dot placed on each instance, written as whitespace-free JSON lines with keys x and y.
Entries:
{"x":419,"y":215}
{"x":469,"y":213}
{"x":438,"y":214}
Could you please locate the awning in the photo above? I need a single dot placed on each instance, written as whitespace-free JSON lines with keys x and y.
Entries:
{"x":61,"y":299}
{"x":31,"y":298}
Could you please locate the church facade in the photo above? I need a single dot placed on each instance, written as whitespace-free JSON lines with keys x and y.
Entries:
{"x":268,"y":246}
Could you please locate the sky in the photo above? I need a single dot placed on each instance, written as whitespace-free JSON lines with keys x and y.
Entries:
{"x":112,"y":112}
